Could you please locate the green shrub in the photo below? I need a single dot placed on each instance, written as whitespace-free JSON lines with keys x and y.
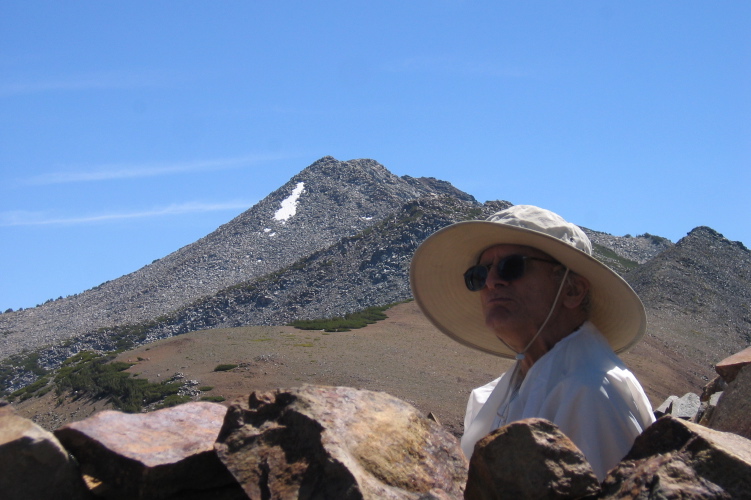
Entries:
{"x":214,"y":399}
{"x":43,"y":391}
{"x":205,"y":388}
{"x":655,"y":239}
{"x":224,"y":367}
{"x":344,"y":324}
{"x":92,"y":375}
{"x":30,"y":363}
{"x":173,"y":400}
{"x":34,"y":389}
{"x":605,"y":253}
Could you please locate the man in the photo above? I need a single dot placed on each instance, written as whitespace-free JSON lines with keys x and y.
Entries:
{"x":523,"y":284}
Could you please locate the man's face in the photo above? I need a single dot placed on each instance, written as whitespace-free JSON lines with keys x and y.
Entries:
{"x":515,"y":310}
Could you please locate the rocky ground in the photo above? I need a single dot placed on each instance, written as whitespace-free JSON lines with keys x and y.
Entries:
{"x":403,"y":355}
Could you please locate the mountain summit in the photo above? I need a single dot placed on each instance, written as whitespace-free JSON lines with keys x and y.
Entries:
{"x":327,"y":201}
{"x":338,"y":237}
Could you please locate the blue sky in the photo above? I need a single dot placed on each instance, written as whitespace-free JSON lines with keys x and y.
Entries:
{"x":131,"y":129}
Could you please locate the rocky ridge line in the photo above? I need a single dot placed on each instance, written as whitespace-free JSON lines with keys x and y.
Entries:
{"x":370,"y":267}
{"x":339,"y":200}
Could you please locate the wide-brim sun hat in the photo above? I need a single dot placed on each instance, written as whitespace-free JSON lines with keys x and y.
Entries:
{"x":439,"y":263}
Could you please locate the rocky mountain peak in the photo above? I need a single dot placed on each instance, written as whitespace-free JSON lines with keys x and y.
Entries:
{"x":338,"y":237}
{"x":710,"y":236}
{"x":324,"y":203}
{"x":352,"y":171}
{"x":702,"y":284}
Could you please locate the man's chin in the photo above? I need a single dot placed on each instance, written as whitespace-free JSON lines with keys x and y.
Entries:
{"x":505,"y":331}
{"x":499,"y":321}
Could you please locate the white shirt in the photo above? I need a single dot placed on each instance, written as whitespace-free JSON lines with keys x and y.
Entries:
{"x":581,"y":386}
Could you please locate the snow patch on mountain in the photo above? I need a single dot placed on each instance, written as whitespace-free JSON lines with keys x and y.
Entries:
{"x":289,"y":204}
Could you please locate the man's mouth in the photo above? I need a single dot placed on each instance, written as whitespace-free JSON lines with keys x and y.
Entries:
{"x":497,"y":299}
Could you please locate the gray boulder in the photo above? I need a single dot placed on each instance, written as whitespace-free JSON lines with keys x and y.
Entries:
{"x":666,"y":406}
{"x":686,"y":407}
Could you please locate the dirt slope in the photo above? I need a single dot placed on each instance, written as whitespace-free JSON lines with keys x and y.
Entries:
{"x":403,"y":355}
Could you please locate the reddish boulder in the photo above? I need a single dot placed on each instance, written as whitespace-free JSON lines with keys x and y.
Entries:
{"x":733,"y":410}
{"x":729,"y":367}
{"x":530,"y":458}
{"x":149,"y":455}
{"x":338,"y":442}
{"x":34,"y":464}
{"x":674,"y":458}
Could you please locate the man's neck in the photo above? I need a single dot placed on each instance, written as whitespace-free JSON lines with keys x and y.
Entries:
{"x":555,"y":331}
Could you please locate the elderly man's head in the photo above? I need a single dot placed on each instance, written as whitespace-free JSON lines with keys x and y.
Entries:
{"x":481,"y":281}
{"x":525,"y":290}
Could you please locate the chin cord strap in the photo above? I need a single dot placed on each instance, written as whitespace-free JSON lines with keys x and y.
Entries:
{"x":520,"y":355}
{"x":516,"y":377}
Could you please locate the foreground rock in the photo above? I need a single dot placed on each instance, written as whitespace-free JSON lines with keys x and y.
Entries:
{"x":674,"y":458}
{"x":319,"y":442}
{"x":726,"y":400}
{"x":530,"y":458}
{"x":729,"y":367}
{"x":733,"y":410}
{"x":34,"y":464}
{"x":686,"y":407}
{"x":151,"y":455}
{"x":338,"y":442}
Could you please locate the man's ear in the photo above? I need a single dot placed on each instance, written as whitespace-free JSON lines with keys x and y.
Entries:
{"x":575,"y":291}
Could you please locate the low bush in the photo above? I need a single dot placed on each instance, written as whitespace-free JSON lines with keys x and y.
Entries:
{"x":224,"y":367}
{"x":173,"y":400}
{"x":92,"y":375}
{"x":213,"y":399}
{"x":606,"y":254}
{"x":38,"y":388}
{"x":344,"y":324}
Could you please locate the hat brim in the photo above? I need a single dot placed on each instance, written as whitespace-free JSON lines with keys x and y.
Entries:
{"x":437,"y":281}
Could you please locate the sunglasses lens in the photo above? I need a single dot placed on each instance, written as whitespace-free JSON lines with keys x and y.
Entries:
{"x":475,"y":278}
{"x":511,"y":268}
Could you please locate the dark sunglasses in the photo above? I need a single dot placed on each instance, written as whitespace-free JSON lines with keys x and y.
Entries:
{"x":509,"y":268}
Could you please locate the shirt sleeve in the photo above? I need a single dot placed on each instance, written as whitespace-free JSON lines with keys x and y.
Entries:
{"x":477,"y":399}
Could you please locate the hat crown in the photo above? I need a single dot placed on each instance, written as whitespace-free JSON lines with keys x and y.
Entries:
{"x":544,"y":221}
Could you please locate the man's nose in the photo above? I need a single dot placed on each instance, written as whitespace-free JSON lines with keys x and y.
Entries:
{"x":493,"y":278}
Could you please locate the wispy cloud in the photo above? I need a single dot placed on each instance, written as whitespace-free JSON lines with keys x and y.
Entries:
{"x":23,"y":218}
{"x":134,"y":171}
{"x":91,"y":81}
